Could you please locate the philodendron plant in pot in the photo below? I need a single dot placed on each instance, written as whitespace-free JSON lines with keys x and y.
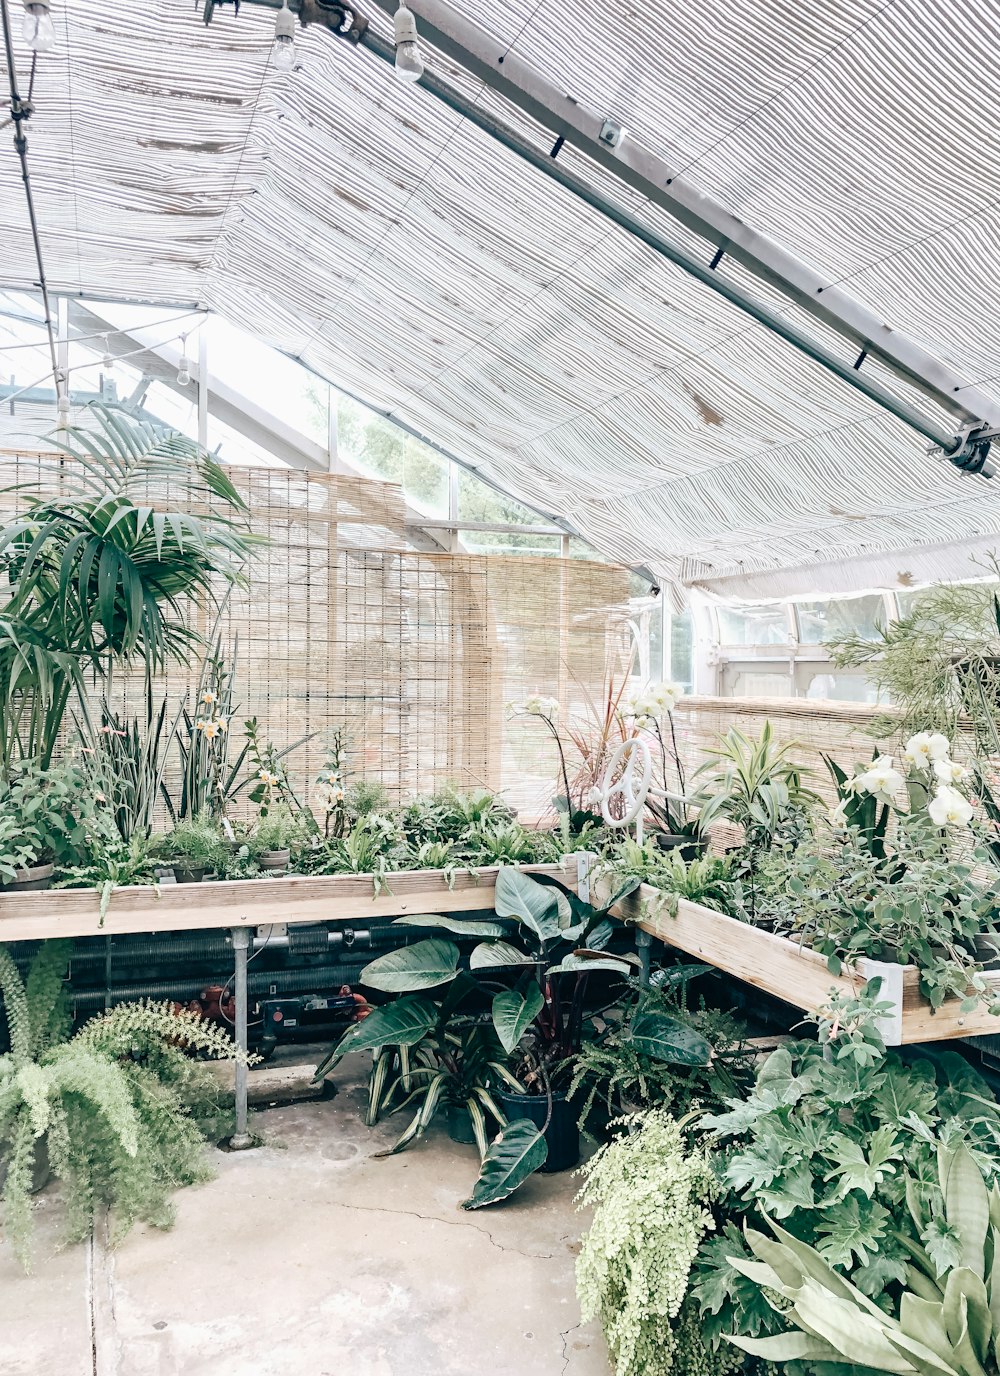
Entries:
{"x":552,"y":941}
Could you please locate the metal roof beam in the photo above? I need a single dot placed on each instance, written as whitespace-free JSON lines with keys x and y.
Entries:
{"x":446,"y":28}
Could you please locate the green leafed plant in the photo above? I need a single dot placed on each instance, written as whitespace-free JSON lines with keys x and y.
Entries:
{"x":429,"y":1056}
{"x":120,"y":1105}
{"x":650,"y":1192}
{"x":827,"y":1142}
{"x":946,"y":1319}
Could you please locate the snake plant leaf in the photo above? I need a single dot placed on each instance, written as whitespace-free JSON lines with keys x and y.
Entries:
{"x":402,"y":1023}
{"x":966,"y":1310}
{"x":497,"y":953}
{"x":786,"y":1347}
{"x":923,"y":1320}
{"x":514,"y":1010}
{"x":423,"y":965}
{"x":534,"y":905}
{"x":514,"y":1154}
{"x":967,"y":1207}
{"x":926,"y":1362}
{"x":813,"y":1266}
{"x":458,"y":925}
{"x":857,"y":1336}
{"x":667,"y":1039}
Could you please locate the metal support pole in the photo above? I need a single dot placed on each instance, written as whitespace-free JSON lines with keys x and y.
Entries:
{"x":241,"y":944}
{"x":644,"y":945}
{"x":203,"y":386}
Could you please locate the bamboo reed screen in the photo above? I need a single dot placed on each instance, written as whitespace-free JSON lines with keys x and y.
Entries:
{"x":343,"y":624}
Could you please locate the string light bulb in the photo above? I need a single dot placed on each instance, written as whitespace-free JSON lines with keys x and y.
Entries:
{"x":184,"y":365}
{"x":283,"y":54}
{"x":37,"y":30}
{"x":409,"y":64}
{"x":108,"y":361}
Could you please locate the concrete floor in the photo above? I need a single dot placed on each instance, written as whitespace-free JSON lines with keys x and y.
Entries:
{"x":308,"y":1257}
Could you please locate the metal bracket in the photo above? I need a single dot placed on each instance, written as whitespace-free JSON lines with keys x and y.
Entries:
{"x":970,"y":450}
{"x":612,"y":133}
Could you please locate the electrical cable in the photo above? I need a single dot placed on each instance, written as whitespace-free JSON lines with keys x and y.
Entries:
{"x":103,"y":334}
{"x":20,"y":110}
{"x":82,"y":367}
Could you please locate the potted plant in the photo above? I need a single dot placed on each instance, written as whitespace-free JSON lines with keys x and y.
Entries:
{"x":194,"y":848}
{"x":273,"y":838}
{"x":555,"y":941}
{"x":120,"y":1109}
{"x":44,"y":816}
{"x":429,"y":1054}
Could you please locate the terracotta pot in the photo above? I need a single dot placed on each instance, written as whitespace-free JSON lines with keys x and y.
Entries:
{"x":186,"y":876}
{"x":275,"y":859}
{"x":29,"y":880}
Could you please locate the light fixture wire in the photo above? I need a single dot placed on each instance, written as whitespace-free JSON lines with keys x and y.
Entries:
{"x":19,"y":111}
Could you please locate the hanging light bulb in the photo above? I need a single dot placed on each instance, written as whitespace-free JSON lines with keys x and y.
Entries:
{"x":283,"y":54}
{"x":184,"y":365}
{"x":409,"y":64}
{"x":37,"y":30}
{"x":108,"y":361}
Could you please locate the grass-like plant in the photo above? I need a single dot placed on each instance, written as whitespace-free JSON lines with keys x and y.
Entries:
{"x":121,"y":1106}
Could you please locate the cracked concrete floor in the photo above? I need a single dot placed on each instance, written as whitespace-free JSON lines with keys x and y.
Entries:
{"x":309,"y":1257}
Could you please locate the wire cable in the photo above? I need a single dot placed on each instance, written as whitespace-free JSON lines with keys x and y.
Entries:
{"x":20,"y":110}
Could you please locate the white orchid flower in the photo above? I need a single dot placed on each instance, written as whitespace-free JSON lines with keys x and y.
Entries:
{"x":924,"y":748}
{"x":838,"y":815}
{"x":882,"y":778}
{"x":949,"y":772}
{"x":948,"y":808}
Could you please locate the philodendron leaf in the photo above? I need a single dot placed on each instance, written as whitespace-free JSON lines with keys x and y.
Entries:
{"x":667,"y":1039}
{"x":495,"y":953}
{"x":534,"y":905}
{"x":514,"y":1010}
{"x":402,"y":1023}
{"x":584,"y":962}
{"x":460,"y":926}
{"x":420,"y":966}
{"x":514,"y":1154}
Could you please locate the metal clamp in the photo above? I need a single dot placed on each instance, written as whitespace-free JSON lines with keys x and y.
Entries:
{"x":970,"y":450}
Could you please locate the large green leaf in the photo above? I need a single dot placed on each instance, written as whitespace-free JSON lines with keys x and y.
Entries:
{"x":402,"y":1023}
{"x":459,"y":925}
{"x":520,"y":896}
{"x":514,"y":1010}
{"x":420,"y":966}
{"x":584,"y":962}
{"x":667,"y":1039}
{"x":515,"y":1154}
{"x":496,"y":953}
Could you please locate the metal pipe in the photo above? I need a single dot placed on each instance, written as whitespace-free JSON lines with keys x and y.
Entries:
{"x":241,"y":942}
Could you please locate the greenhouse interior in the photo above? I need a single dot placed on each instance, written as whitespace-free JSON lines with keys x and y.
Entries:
{"x":499,"y":688}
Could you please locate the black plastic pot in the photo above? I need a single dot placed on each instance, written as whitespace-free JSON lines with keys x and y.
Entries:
{"x":30,"y":880}
{"x":185,"y":876}
{"x":690,"y":847}
{"x":460,"y":1125}
{"x":562,"y":1134}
